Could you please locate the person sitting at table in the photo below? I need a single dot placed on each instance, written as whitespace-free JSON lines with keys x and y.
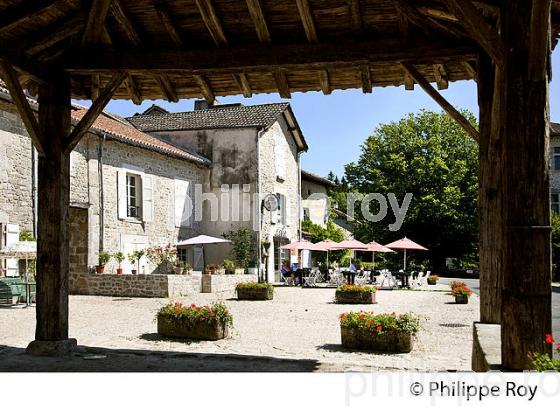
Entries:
{"x":352,"y":267}
{"x":287,"y":271}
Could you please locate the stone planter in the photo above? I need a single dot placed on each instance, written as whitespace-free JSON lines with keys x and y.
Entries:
{"x":183,"y":329}
{"x":239,"y":271}
{"x":387,"y":342}
{"x":432,"y":282}
{"x":206,"y":284}
{"x":361,"y":298}
{"x":461,"y":299}
{"x":255,"y":294}
{"x":252,"y":271}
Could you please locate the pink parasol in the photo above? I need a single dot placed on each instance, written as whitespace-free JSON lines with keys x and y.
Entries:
{"x":405,"y":244}
{"x":327,"y":245}
{"x":303,"y":245}
{"x":351,"y":244}
{"x":376,"y":247}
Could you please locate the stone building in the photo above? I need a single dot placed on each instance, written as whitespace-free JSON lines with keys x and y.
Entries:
{"x":255,"y":153}
{"x":314,"y":197}
{"x":126,"y":187}
{"x":555,"y":166}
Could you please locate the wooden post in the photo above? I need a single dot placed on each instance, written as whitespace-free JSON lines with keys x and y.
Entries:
{"x":526,"y":295}
{"x":51,"y":334}
{"x":490,"y":192}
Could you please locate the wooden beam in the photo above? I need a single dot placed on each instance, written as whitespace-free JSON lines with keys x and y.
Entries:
{"x":257,"y":15}
{"x":282,"y":83}
{"x":539,"y":38}
{"x":93,"y":112}
{"x":119,"y":14}
{"x":26,"y":113}
{"x":308,"y":21}
{"x":94,"y":87}
{"x":408,"y":82}
{"x":37,"y":71}
{"x":243,"y":84}
{"x":166,"y":87}
{"x":205,"y":88}
{"x":168,"y":23}
{"x":367,"y":86}
{"x":212,"y":22}
{"x":443,"y":103}
{"x":470,"y":69}
{"x":52,"y":35}
{"x":356,"y":16}
{"x":266,"y":57}
{"x":324,"y":81}
{"x":95,"y":22}
{"x":412,"y":14}
{"x":440,"y":74}
{"x":20,"y":14}
{"x":478,"y":28}
{"x":133,"y":90}
{"x":438,"y":13}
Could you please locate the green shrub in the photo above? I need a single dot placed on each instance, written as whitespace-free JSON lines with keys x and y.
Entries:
{"x":253,"y":286}
{"x":193,"y":313}
{"x":243,"y":246}
{"x":385,"y":322}
{"x":543,"y":362}
{"x":356,"y":289}
{"x":104,"y":257}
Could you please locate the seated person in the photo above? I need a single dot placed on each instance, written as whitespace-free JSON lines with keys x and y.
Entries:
{"x":352,"y":267}
{"x":287,"y":271}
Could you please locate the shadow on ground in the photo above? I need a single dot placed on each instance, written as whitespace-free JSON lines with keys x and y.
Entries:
{"x":96,"y":359}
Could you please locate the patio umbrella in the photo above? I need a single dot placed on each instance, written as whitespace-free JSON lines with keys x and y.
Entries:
{"x":350,"y":244}
{"x":327,"y":245}
{"x":405,"y":244}
{"x":376,"y":247}
{"x":303,"y":245}
{"x":202,"y":240}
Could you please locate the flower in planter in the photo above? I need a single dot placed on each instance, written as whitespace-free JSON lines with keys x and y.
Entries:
{"x":432,"y":279}
{"x":384,"y":322}
{"x":357,"y":289}
{"x":462,"y":291}
{"x":253,"y":286}
{"x":457,"y":284}
{"x":543,"y":362}
{"x":193,"y":313}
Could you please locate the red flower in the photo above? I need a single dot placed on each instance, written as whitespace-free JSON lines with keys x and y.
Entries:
{"x":202,"y":319}
{"x":549,"y":339}
{"x":212,"y":314}
{"x":193,"y":305}
{"x":379,"y":328}
{"x":369,"y":322}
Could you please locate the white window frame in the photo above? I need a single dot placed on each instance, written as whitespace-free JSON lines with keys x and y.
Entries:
{"x":137,"y":195}
{"x":555,"y":202}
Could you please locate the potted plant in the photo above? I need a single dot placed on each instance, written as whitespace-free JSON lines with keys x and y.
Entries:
{"x":390,"y":333}
{"x":355,"y":294}
{"x":187,"y":268}
{"x":139,"y":253}
{"x":254,"y":291}
{"x":164,"y":257}
{"x":229,"y":266}
{"x":179,"y":267}
{"x":194,"y":322}
{"x":211,"y":268}
{"x":132,"y":258}
{"x":119,"y":257}
{"x":252,"y":267}
{"x":462,"y":294}
{"x":433,"y":279}
{"x":104,"y":258}
{"x":457,"y":284}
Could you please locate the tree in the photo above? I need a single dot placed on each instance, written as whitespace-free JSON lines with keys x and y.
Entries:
{"x":428,"y":155}
{"x":243,"y":246}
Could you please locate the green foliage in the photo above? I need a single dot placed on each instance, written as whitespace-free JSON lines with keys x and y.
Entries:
{"x":428,"y":155}
{"x":356,"y":289}
{"x":25,"y":236}
{"x":193,"y":313}
{"x":253,"y":286}
{"x":104,"y":257}
{"x":243,"y":247}
{"x":555,"y":222}
{"x":543,"y":362}
{"x":228,"y":265}
{"x":332,"y":232}
{"x":119,"y":257}
{"x":408,"y":322}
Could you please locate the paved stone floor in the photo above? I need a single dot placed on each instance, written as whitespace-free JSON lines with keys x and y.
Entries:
{"x":297,"y":331}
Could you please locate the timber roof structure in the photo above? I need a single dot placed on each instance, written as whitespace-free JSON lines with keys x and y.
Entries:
{"x":208,"y":48}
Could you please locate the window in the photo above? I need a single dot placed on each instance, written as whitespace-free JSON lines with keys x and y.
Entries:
{"x":133,"y":208}
{"x":555,"y":202}
{"x":306,"y":214}
{"x":182,"y":254}
{"x":556,"y":159}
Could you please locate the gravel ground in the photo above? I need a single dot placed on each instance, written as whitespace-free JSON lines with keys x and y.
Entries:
{"x":299,"y":324}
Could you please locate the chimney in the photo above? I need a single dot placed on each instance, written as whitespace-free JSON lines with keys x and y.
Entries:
{"x":204,"y":105}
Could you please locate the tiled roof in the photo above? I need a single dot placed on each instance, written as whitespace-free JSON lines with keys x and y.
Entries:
{"x":555,"y":129}
{"x":230,"y":116}
{"x":309,"y":176}
{"x":118,"y":129}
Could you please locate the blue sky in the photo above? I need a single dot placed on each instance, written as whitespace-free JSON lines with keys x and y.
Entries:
{"x":336,"y":125}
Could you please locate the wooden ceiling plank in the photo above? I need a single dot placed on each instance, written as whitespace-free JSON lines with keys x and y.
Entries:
{"x":438,"y":98}
{"x":95,"y":22}
{"x":478,"y":28}
{"x":325,"y":82}
{"x":440,"y":73}
{"x":212,"y":22}
{"x":243,"y":84}
{"x":257,"y":15}
{"x":167,"y":22}
{"x":282,"y":85}
{"x":133,"y":90}
{"x":26,"y":113}
{"x":166,"y":87}
{"x":367,"y":86}
{"x":410,"y":11}
{"x":205,"y":88}
{"x":356,"y":17}
{"x":97,"y":107}
{"x":470,"y":69}
{"x":408,"y":82}
{"x":94,"y":87}
{"x":50,"y":36}
{"x":21,"y":14}
{"x":120,"y":15}
{"x":306,"y":15}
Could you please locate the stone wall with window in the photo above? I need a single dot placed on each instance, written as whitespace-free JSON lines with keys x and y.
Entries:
{"x":555,"y":172}
{"x":314,"y":202}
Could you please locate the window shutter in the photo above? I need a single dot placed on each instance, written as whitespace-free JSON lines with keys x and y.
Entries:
{"x":12,"y":237}
{"x":147,"y":199}
{"x":121,"y":193}
{"x":181,"y":191}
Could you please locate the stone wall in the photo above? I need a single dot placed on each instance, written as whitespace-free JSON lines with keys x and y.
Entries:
{"x":152,"y":286}
{"x":78,"y":237}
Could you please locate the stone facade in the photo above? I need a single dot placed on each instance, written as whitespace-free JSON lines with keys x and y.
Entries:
{"x":554,"y":172}
{"x":152,"y":286}
{"x":314,"y":201}
{"x":78,"y":237}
